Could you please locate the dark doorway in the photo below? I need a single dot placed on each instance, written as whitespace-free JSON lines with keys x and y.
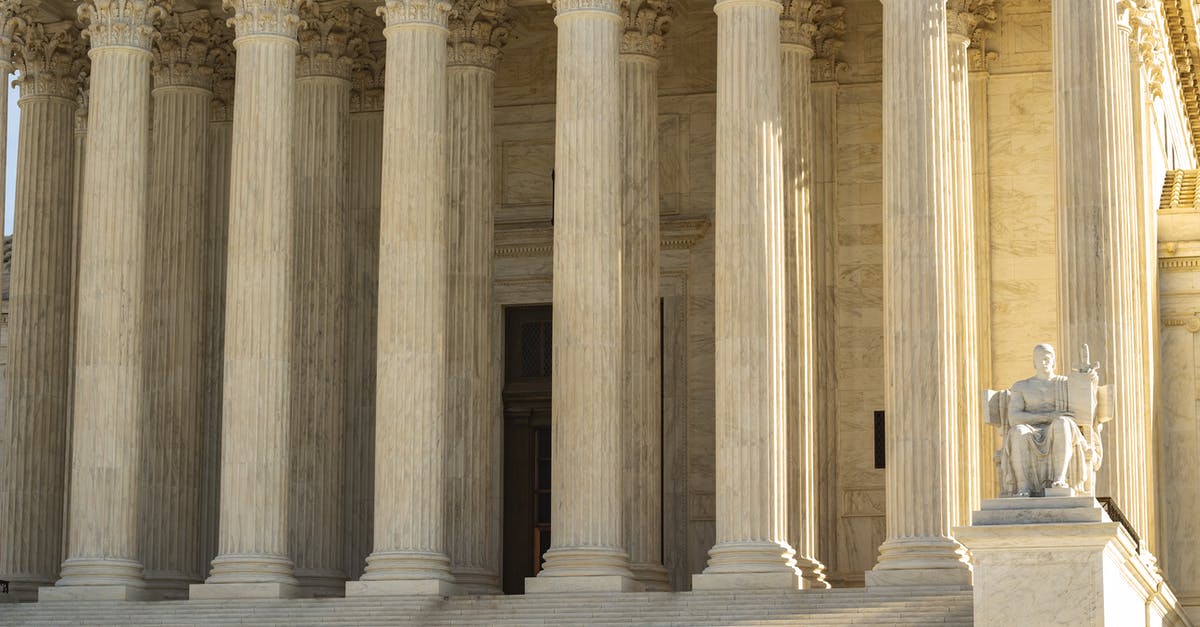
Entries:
{"x":527,"y":354}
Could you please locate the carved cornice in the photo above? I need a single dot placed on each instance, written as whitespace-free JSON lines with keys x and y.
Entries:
{"x":1180,"y":192}
{"x":14,"y":19}
{"x":367,"y":77}
{"x":264,"y":17}
{"x":123,"y":23}
{"x":1179,"y":22}
{"x":478,"y":31}
{"x":646,"y":23}
{"x":51,"y":58}
{"x":223,"y":61}
{"x":432,"y":12}
{"x":181,"y":51}
{"x":328,"y":38}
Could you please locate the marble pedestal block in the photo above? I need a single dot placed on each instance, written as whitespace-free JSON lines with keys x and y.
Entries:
{"x":247,"y":590}
{"x":94,"y":593}
{"x":1059,"y":561}
{"x":585,"y":583}
{"x":402,"y":587}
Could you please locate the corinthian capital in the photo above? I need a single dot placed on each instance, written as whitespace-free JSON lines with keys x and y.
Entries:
{"x":366,"y":80}
{"x":800,"y":20}
{"x":646,"y":22}
{"x":222,"y":60}
{"x":264,"y":17}
{"x":397,"y":12}
{"x":329,"y":32}
{"x":51,"y":58}
{"x":478,"y":31}
{"x":125,"y":23}
{"x":971,"y":19}
{"x":1148,"y":43}
{"x":14,"y":18}
{"x":181,"y":51}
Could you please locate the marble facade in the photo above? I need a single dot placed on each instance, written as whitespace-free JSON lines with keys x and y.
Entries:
{"x":279,"y":371}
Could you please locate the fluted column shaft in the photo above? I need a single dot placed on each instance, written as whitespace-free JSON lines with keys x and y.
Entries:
{"x":962,"y":207}
{"x":173,"y":436}
{"x":801,"y":429}
{"x":920,"y":301}
{"x":253,"y":538}
{"x":473,"y":483}
{"x":35,"y":425}
{"x":104,"y":549}
{"x":587,"y":551}
{"x":752,"y":548}
{"x":320,"y":288}
{"x":641,"y":384}
{"x":410,"y":431}
{"x":1097,"y":237}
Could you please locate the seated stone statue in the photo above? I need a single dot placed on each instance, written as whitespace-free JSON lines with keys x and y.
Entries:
{"x":1049,"y":428}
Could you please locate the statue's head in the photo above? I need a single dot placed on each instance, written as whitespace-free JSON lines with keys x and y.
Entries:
{"x":1043,"y":359}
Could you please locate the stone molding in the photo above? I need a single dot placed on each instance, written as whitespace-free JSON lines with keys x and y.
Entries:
{"x":1179,"y":22}
{"x":280,"y":18}
{"x":181,"y":51}
{"x":530,"y":241}
{"x":328,"y":37}
{"x":222,"y":58}
{"x":51,"y":58}
{"x":367,"y":77}
{"x":121,"y":23}
{"x":1190,"y":322}
{"x":434,"y":13}
{"x":599,"y":6}
{"x":646,"y":23}
{"x":478,"y":31}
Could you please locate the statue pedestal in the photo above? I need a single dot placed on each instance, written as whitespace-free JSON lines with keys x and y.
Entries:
{"x":1059,"y":561}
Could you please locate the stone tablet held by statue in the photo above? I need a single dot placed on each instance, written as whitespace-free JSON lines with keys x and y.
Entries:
{"x":1049,"y":427}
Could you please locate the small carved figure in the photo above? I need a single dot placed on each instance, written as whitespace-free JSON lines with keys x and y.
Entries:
{"x":1050,"y":428}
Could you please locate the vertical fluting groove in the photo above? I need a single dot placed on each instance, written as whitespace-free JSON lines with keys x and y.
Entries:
{"x":34,"y":457}
{"x":319,"y":286}
{"x":366,"y":151}
{"x":750,"y":307}
{"x":258,"y":302}
{"x":920,"y":300}
{"x":824,"y":242}
{"x":220,"y":146}
{"x":800,"y":429}
{"x":967,"y":421}
{"x":586,"y":500}
{"x":1096,"y":236}
{"x":978,"y":133}
{"x":471,"y":430}
{"x":174,"y":323}
{"x":641,"y":382}
{"x":410,"y":427}
{"x":105,"y":474}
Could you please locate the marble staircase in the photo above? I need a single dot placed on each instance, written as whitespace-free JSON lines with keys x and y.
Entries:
{"x":818,"y":607}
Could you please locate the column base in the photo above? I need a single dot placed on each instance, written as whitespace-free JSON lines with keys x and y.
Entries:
{"x":584,"y":569}
{"x":52,"y":594}
{"x":921,"y":561}
{"x":401,"y":588}
{"x":653,"y":577}
{"x":813,"y":574}
{"x":749,"y":565}
{"x":264,"y":590}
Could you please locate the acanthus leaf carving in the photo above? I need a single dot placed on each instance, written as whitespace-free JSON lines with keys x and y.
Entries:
{"x":367,"y":77}
{"x":15,"y":17}
{"x":181,"y":51}
{"x":973,"y":20}
{"x":223,"y":61}
{"x":646,"y":23}
{"x":432,"y":12}
{"x":51,"y":58}
{"x":478,"y":31}
{"x":1148,"y":44}
{"x":800,"y":21}
{"x":264,"y":17}
{"x":328,"y":37}
{"x":123,"y":23}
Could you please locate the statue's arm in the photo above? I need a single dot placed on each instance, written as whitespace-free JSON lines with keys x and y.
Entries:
{"x":1016,"y":409}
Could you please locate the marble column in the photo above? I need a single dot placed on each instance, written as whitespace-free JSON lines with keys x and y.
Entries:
{"x":1096,"y":235}
{"x":587,"y":550}
{"x":34,"y":437}
{"x":104,"y":552}
{"x":320,"y":289}
{"x":963,"y":18}
{"x":253,"y":538}
{"x":478,"y":30}
{"x":646,"y":21}
{"x":798,"y":26}
{"x":409,"y":555}
{"x":920,"y":302}
{"x":176,"y":256}
{"x":752,"y":549}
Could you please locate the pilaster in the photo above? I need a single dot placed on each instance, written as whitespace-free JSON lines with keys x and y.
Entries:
{"x":253,"y":558}
{"x":478,"y":31}
{"x":752,"y":549}
{"x":587,"y":551}
{"x":409,"y":554}
{"x":36,"y":422}
{"x":920,"y":303}
{"x":176,"y":257}
{"x":645,"y":24}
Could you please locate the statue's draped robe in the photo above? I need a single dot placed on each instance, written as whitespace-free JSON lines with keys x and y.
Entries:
{"x":1037,"y":442}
